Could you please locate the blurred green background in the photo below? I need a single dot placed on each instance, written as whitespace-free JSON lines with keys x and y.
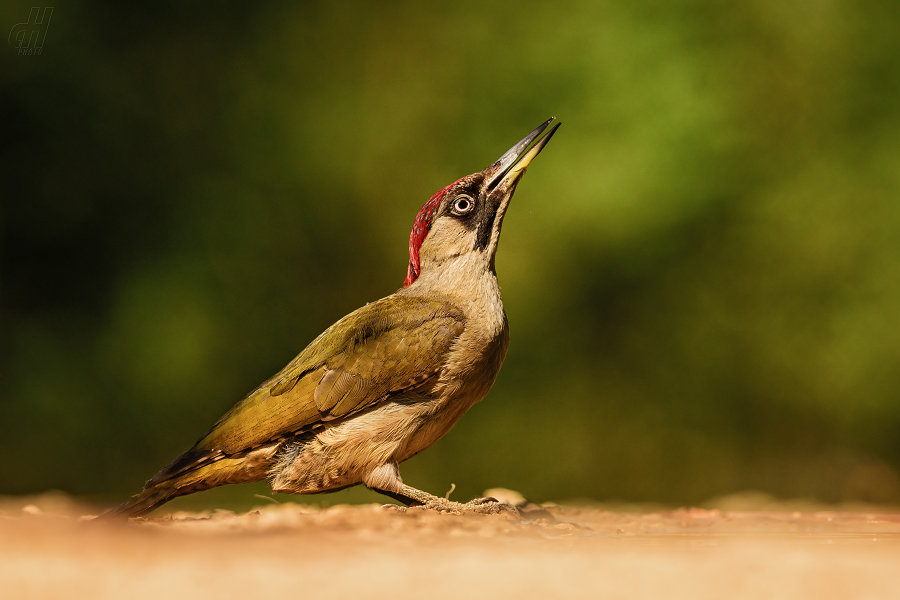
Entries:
{"x":701,"y":272}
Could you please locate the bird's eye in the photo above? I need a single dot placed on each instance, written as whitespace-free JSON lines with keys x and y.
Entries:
{"x":463,"y":205}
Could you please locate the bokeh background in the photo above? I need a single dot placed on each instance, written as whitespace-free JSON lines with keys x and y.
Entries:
{"x":701,"y":271}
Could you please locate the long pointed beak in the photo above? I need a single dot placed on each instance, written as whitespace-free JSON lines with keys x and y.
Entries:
{"x":506,"y":170}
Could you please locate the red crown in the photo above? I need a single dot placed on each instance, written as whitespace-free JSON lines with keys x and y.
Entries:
{"x":421,"y":227}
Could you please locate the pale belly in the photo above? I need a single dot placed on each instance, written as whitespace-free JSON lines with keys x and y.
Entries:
{"x":344,"y":454}
{"x":347,"y":452}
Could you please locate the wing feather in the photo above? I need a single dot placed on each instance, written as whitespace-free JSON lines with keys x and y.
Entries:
{"x":381,"y":349}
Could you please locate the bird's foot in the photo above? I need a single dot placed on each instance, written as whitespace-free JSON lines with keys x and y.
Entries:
{"x":492,"y":506}
{"x":443,"y":505}
{"x":482,"y":506}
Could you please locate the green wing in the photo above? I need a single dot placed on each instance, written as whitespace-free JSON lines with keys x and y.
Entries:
{"x":383,"y":348}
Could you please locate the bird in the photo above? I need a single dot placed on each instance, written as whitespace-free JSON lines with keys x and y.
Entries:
{"x":384,"y":382}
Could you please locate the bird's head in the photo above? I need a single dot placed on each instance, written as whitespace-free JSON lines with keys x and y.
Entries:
{"x":465,"y":217}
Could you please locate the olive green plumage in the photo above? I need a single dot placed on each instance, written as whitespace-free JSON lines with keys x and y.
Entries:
{"x":383,"y":349}
{"x":384,"y":382}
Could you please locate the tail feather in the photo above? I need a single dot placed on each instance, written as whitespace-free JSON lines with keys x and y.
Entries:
{"x":141,"y":504}
{"x":224,"y":470}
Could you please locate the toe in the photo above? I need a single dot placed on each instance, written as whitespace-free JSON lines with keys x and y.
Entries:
{"x":485,"y":500}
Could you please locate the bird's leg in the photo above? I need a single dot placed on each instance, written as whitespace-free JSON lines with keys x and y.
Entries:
{"x":415,"y":497}
{"x":405,"y":501}
{"x":386,"y":480}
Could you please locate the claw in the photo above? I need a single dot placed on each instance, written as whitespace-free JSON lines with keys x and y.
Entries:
{"x":485,"y":500}
{"x":492,"y":506}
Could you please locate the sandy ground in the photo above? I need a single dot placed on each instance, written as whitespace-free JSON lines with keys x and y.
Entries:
{"x":49,"y":550}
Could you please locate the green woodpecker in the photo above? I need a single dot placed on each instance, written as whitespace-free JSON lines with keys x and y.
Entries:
{"x":386,"y":381}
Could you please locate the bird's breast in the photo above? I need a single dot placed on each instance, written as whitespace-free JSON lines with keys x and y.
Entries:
{"x":473,"y":363}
